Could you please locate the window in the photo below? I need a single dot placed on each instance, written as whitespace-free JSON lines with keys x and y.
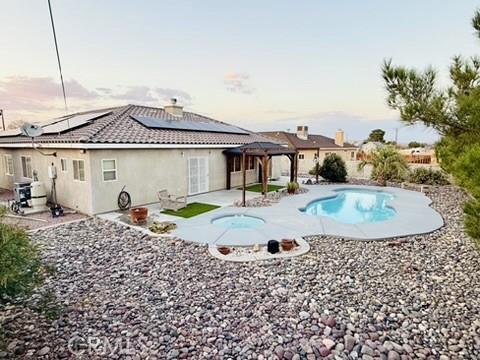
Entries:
{"x":26,"y":166}
{"x":352,"y":155}
{"x":237,"y":164}
{"x":79,"y":170}
{"x":301,"y":156}
{"x":250,"y":162}
{"x":63,"y":165}
{"x":109,"y":169}
{"x":8,"y":164}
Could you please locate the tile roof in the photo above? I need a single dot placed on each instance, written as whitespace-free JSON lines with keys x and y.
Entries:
{"x":119,"y":127}
{"x":312,"y":142}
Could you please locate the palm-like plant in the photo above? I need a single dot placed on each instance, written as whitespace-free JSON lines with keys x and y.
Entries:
{"x":388,"y":164}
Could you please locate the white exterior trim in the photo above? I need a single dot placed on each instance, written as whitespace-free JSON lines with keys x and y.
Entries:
{"x":115,"y":170}
{"x":119,"y":146}
{"x":84,"y":171}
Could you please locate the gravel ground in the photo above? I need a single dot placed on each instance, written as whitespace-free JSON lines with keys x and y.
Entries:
{"x":126,"y":295}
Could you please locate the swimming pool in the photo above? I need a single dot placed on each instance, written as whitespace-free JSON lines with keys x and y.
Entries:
{"x":354,"y":206}
{"x":238,"y":221}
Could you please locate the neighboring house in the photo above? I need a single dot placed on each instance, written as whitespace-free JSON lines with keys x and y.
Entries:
{"x":308,"y":146}
{"x":420,"y":155}
{"x":145,"y":149}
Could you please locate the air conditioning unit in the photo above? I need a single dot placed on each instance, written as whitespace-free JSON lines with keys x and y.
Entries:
{"x":22,"y":192}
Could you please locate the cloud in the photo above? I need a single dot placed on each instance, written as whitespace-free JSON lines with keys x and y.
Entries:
{"x":30,"y":93}
{"x":39,"y":98}
{"x":104,"y":90}
{"x":136,"y":93}
{"x":238,"y":83}
{"x":166,"y":94}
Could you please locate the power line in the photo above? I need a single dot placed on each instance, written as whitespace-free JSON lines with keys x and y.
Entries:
{"x":58,"y":56}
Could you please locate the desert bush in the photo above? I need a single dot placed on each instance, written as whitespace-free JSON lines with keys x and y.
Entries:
{"x":20,"y":268}
{"x":472,"y":220}
{"x":427,"y":176}
{"x":333,"y":169}
{"x":292,"y":187}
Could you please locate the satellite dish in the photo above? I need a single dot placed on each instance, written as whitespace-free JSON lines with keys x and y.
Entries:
{"x":31,"y":130}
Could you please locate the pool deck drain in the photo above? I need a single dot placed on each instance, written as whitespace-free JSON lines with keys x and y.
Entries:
{"x":285,"y":220}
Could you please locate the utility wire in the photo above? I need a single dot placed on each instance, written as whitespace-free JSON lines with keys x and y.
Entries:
{"x":58,"y":57}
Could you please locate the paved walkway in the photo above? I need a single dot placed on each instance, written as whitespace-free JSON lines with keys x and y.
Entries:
{"x":285,"y":220}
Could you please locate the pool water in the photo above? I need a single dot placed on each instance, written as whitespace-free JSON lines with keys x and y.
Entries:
{"x":354,"y":206}
{"x":238,"y":221}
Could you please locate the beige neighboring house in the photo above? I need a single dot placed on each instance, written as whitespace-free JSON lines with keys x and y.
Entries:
{"x":145,"y":149}
{"x":308,"y":146}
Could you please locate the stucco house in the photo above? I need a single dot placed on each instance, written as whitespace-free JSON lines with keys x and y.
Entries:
{"x":309,"y":146}
{"x":145,"y":149}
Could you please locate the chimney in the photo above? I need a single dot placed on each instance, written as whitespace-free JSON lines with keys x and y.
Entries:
{"x":339,"y":137}
{"x":173,"y":108}
{"x":302,"y":132}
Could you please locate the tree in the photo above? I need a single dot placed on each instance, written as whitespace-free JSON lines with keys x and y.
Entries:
{"x":415,"y":144}
{"x":377,"y":135}
{"x":454,"y":112}
{"x":333,"y":169}
{"x":388,"y":165}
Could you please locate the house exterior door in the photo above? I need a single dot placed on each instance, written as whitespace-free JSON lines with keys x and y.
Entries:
{"x":197,"y":175}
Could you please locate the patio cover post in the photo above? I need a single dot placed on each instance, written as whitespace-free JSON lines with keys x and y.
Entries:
{"x":292,"y":167}
{"x":296,"y":166}
{"x":244,"y":176}
{"x":265,"y":174}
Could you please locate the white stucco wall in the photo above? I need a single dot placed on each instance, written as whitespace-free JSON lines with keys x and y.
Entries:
{"x":307,"y":163}
{"x":146,"y":171}
{"x":70,"y":193}
{"x":142,"y":171}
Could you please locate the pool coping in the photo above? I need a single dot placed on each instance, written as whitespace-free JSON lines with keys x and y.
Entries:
{"x":285,"y":220}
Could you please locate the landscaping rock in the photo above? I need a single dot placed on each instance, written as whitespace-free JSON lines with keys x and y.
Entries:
{"x":167,"y":298}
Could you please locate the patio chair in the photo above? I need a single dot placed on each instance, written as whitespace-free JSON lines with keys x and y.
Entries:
{"x":171,"y":202}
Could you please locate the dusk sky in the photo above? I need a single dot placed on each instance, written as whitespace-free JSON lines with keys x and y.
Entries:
{"x":263,"y":65}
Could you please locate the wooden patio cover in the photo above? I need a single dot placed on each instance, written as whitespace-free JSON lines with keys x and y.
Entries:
{"x":265,"y":151}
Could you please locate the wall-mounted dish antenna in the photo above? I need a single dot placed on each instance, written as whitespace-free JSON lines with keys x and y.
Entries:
{"x":32,"y":131}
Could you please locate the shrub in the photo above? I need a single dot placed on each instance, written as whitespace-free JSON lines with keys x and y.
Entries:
{"x":292,"y":187}
{"x":388,"y":165}
{"x":427,"y":176}
{"x":20,"y":268}
{"x":333,"y":169}
{"x":472,"y":220}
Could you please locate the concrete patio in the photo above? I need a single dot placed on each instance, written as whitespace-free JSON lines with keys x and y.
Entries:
{"x":285,"y":220}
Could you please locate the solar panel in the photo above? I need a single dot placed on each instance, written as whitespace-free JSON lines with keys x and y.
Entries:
{"x":159,"y":123}
{"x":71,"y":122}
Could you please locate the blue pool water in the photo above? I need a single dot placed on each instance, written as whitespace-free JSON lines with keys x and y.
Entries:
{"x":238,"y":221}
{"x":354,"y":206}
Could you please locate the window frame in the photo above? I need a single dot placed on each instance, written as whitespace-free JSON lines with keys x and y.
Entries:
{"x":6,"y":159}
{"x":109,"y":170}
{"x":301,"y":156}
{"x":73,"y":170}
{"x":26,"y":166}
{"x":62,"y":161}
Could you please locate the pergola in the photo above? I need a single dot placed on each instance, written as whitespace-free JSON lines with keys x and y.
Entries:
{"x":265,"y":151}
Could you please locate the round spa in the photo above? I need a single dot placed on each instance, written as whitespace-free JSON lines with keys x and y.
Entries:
{"x":238,"y":221}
